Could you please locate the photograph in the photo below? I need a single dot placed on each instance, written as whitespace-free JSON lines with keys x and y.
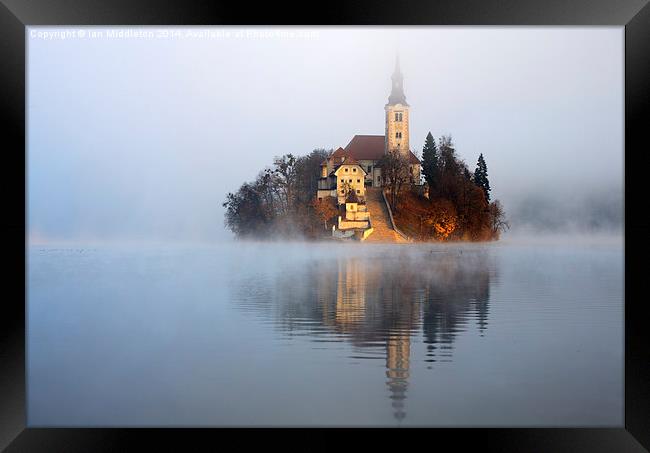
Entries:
{"x":325,"y":226}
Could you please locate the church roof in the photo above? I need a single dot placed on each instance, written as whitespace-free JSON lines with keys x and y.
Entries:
{"x":397,"y":92}
{"x":368,"y":147}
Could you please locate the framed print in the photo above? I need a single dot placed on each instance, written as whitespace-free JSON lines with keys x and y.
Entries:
{"x":420,"y":217}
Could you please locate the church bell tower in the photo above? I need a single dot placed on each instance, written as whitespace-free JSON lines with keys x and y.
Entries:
{"x":397,"y":115}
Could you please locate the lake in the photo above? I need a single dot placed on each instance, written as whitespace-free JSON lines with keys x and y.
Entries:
{"x":512,"y":333}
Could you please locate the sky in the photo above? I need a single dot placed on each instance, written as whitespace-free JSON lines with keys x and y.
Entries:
{"x":139,"y":133}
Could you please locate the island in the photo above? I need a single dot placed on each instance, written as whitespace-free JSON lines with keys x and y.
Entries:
{"x":373,"y":190}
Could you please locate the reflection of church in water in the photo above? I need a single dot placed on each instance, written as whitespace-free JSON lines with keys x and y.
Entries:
{"x":375,"y":308}
{"x":381,"y":305}
{"x":349,"y":315}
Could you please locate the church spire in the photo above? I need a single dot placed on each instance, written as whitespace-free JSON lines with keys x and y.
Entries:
{"x":397,"y":115}
{"x":397,"y":92}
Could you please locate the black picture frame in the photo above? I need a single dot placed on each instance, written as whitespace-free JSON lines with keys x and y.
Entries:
{"x":15,"y":15}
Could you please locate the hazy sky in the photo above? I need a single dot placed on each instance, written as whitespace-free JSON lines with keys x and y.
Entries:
{"x":142,"y":137}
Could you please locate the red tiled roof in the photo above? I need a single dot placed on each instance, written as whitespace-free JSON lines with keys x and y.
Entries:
{"x":368,"y":147}
{"x":338,"y":156}
{"x":349,"y":160}
{"x":339,"y":152}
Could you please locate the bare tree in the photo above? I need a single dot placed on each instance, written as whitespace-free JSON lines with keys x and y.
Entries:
{"x":498,"y":220}
{"x":285,"y":178}
{"x":395,"y":175}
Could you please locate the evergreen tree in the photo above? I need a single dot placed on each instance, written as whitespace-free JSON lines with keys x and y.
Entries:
{"x":481,"y":177}
{"x":430,"y":163}
{"x":448,"y":164}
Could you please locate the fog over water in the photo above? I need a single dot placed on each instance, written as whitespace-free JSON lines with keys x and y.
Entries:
{"x":272,"y":334}
{"x":133,"y":139}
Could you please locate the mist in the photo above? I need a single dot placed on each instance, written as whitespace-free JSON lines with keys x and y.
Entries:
{"x":134,"y":139}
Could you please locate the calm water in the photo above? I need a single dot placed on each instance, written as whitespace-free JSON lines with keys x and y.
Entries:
{"x":509,"y":334}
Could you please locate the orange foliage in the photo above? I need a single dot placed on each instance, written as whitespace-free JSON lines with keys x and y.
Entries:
{"x":425,"y":220}
{"x":325,"y":209}
{"x":442,"y":217}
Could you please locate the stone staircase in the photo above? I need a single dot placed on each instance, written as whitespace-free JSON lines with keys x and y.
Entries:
{"x":382,"y":228}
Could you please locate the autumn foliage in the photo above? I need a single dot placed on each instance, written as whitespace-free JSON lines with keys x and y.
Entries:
{"x":326,"y":210}
{"x":456,"y":206}
{"x":426,"y":220}
{"x":452,"y":205}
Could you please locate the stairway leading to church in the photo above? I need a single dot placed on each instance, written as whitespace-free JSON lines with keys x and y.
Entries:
{"x":382,"y":228}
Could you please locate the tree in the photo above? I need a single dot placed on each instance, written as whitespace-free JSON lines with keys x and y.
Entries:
{"x":498,"y":220}
{"x":430,"y":164}
{"x":346,"y":188}
{"x":244,"y":211}
{"x":450,"y":171}
{"x":325,"y":209}
{"x":481,"y":176}
{"x":308,"y":171}
{"x":269,"y":192}
{"x":285,"y":173}
{"x":279,"y":201}
{"x":441,"y":219}
{"x":395,"y":174}
{"x":351,"y":197}
{"x":447,"y":152}
{"x":473,"y":213}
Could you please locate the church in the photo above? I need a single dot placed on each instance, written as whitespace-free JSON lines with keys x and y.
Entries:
{"x":357,"y":167}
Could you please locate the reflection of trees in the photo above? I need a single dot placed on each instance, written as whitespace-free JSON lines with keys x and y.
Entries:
{"x":459,"y":290}
{"x":377,"y":303}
